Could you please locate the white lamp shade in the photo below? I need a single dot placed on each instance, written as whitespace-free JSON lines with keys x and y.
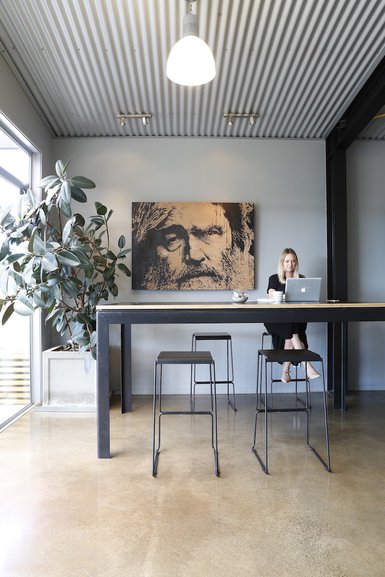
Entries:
{"x":190,"y":62}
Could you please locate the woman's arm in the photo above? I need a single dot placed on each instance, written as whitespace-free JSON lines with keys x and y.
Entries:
{"x":273,"y":285}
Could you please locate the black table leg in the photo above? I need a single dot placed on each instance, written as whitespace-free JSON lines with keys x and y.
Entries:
{"x":125,"y":352}
{"x":103,"y":390}
{"x":338,"y":362}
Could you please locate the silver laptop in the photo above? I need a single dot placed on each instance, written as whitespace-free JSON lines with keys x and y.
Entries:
{"x":303,"y":290}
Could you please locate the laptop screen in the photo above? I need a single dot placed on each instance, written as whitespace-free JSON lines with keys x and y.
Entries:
{"x":302,"y":290}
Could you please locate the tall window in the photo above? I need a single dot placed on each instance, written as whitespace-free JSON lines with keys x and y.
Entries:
{"x":15,"y":339}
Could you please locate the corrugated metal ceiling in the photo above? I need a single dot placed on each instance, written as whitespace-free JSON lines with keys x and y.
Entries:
{"x":298,"y":63}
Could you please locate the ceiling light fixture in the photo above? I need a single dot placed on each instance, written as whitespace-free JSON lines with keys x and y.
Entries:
{"x":124,"y":117}
{"x":252,"y":116}
{"x":190,"y":62}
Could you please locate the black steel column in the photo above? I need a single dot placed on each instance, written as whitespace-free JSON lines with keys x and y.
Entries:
{"x":367,"y":103}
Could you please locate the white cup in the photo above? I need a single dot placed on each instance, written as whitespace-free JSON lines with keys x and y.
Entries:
{"x":277,"y":296}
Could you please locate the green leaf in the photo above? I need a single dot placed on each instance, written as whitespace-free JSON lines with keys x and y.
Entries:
{"x":67,"y":229}
{"x":100,"y":208}
{"x":49,"y":262}
{"x":124,"y":269}
{"x":82,"y":182}
{"x":14,"y":257}
{"x":39,"y":301}
{"x":24,"y":305}
{"x":98,"y":220}
{"x":67,"y":258}
{"x":78,"y":194}
{"x":83,"y":319}
{"x":30,"y":197}
{"x":56,"y":312}
{"x":4,"y":250}
{"x":42,"y":217}
{"x":79,"y":219}
{"x":65,"y":208}
{"x":7,"y":314}
{"x":83,"y":258}
{"x":100,"y":259}
{"x":49,"y":181}
{"x":38,"y":245}
{"x":70,"y":288}
{"x":122,"y":241}
{"x":8,"y":283}
{"x":66,"y":192}
{"x":60,"y":168}
{"x":52,"y":280}
{"x":80,"y":340}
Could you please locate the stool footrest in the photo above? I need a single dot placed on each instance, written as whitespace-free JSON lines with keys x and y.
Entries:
{"x":292,"y":380}
{"x":283,"y":410}
{"x":216,"y":382}
{"x":185,"y":413}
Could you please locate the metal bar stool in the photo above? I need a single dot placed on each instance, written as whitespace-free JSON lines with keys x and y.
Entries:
{"x":267,"y":357}
{"x":192,"y":358}
{"x":196,"y":337}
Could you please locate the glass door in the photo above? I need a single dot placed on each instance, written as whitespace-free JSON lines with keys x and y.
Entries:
{"x":15,"y":335}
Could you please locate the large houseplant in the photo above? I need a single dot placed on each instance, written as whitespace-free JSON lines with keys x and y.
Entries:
{"x":58,"y":261}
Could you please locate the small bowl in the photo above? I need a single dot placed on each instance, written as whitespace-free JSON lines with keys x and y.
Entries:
{"x":239,"y":298}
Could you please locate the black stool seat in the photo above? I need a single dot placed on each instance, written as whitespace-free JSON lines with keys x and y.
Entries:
{"x":184,"y":358}
{"x":229,"y":380}
{"x":191,"y":358}
{"x":212,"y":336}
{"x":289,"y":355}
{"x":264,"y":401}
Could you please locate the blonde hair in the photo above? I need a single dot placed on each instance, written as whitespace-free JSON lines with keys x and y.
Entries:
{"x":281,"y":272}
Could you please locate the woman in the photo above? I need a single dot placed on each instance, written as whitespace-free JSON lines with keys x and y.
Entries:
{"x":287,"y":335}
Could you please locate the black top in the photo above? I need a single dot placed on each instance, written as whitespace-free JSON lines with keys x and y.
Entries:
{"x":275,"y":284}
{"x":282,"y":331}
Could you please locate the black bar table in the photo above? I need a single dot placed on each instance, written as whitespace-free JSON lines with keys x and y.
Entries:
{"x":125,"y":315}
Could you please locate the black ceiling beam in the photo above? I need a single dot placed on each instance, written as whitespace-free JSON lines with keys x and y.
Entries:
{"x":365,"y":105}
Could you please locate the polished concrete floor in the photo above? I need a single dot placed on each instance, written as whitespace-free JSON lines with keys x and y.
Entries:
{"x":64,"y":513}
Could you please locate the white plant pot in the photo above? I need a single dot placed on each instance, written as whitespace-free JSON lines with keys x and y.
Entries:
{"x":66,"y":383}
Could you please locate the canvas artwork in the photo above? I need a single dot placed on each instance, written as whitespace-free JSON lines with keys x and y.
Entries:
{"x":192,"y":245}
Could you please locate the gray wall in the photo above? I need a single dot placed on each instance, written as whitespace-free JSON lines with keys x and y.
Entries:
{"x":284,"y":179}
{"x":366,"y":239}
{"x":17,"y":109}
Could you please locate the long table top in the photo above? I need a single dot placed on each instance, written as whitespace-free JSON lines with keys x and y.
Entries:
{"x":250,"y":311}
{"x":247,"y":305}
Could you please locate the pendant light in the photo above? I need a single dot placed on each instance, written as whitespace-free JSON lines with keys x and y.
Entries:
{"x":190,"y":62}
